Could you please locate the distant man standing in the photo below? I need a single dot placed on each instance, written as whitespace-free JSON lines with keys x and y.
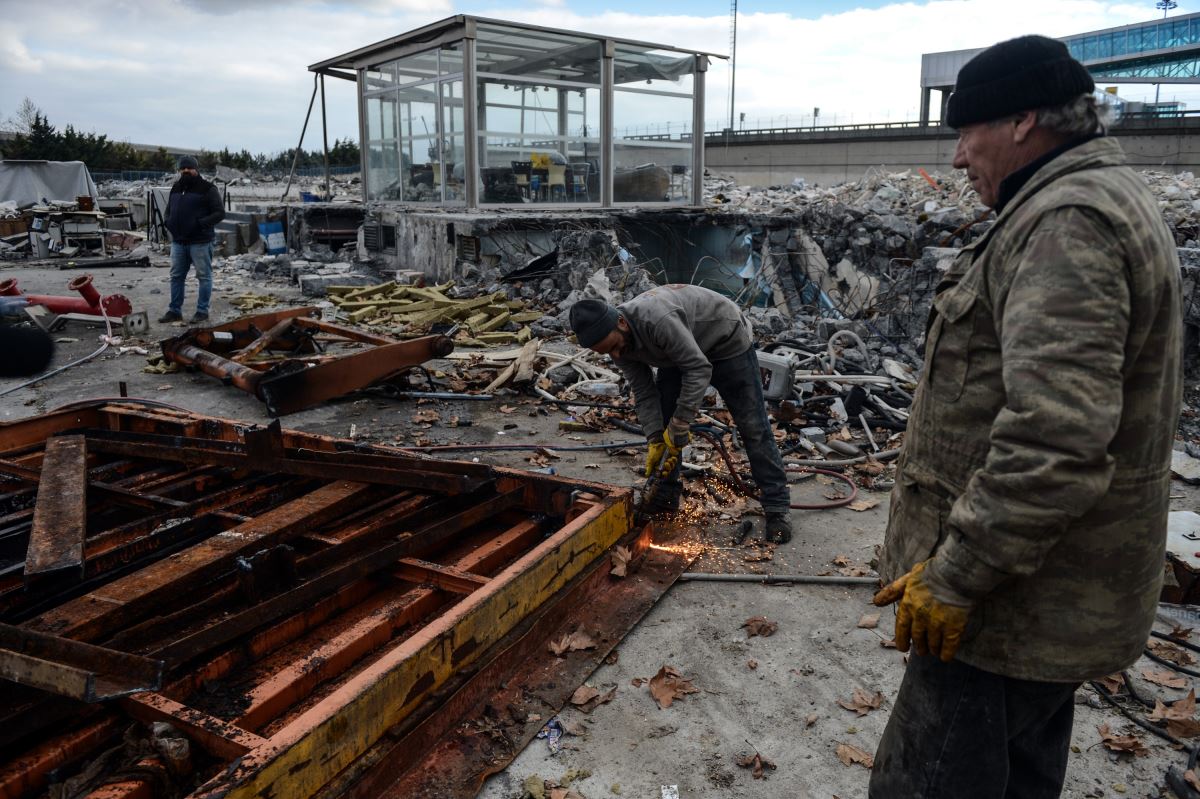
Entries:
{"x":1029,"y":515}
{"x":694,"y":337}
{"x":193,"y":209}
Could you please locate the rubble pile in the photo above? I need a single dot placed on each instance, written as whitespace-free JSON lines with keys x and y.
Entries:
{"x":406,"y":310}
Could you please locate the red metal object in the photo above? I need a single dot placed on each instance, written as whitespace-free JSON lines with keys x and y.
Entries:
{"x":238,"y":352}
{"x":8,"y":287}
{"x":89,"y":301}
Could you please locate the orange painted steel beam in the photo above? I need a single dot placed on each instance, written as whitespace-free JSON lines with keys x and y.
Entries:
{"x":447,"y":578}
{"x":115,"y":605}
{"x":219,"y":738}
{"x":295,"y":681}
{"x":26,"y":774}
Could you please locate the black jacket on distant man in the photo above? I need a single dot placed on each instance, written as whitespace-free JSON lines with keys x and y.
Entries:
{"x":192,"y":210}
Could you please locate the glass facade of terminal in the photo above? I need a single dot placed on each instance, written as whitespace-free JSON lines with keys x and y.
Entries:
{"x":1148,"y":38}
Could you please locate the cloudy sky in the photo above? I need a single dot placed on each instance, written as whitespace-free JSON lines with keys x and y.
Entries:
{"x":232,"y":73}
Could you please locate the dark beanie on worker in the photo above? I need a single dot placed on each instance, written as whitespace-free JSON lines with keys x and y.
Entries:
{"x":1018,"y":75}
{"x":189,"y":162}
{"x":592,"y":320}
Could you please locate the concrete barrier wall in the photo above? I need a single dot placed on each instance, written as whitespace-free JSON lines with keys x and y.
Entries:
{"x":827,"y":162}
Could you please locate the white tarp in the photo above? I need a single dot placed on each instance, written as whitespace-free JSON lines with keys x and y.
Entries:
{"x":34,"y":182}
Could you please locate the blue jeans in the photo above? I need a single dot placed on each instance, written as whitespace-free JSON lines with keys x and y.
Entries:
{"x":184,"y":256}
{"x":956,"y":731}
{"x":739,"y":382}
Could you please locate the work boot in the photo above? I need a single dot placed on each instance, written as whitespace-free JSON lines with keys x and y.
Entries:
{"x":170,"y":316}
{"x":197,"y":318}
{"x":666,"y":499}
{"x":778,"y":529}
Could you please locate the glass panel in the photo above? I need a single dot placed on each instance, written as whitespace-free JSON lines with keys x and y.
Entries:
{"x":1104,"y":46}
{"x":1075,"y":47}
{"x":383,"y":171}
{"x":380,"y":77}
{"x":650,"y":172}
{"x":452,"y":58}
{"x":1164,"y":35}
{"x":1118,"y":43}
{"x":640,"y":115}
{"x":537,"y":54}
{"x":381,"y":116}
{"x":650,"y":162}
{"x":1180,"y":32}
{"x":420,"y":162}
{"x":641,"y":67}
{"x":454,"y":160}
{"x":1089,"y":48}
{"x":416,"y":68}
{"x":453,"y":140}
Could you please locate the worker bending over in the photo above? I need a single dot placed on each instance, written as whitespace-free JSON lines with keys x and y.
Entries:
{"x":1029,"y":515}
{"x":694,"y":337}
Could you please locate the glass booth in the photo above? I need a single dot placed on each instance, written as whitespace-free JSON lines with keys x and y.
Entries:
{"x":482,"y":113}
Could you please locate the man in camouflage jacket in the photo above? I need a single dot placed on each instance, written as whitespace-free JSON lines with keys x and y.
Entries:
{"x":1028,"y":522}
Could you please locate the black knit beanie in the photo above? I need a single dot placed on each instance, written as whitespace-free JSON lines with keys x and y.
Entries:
{"x":189,"y":162}
{"x":1018,"y":75}
{"x":592,"y":320}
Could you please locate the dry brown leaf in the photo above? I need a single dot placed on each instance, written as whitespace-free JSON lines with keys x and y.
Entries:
{"x":584,"y":694}
{"x":638,"y":682}
{"x":850,"y":754}
{"x":1191,"y":779}
{"x":1167,"y":679}
{"x":863,"y":504}
{"x":426,"y":416}
{"x":869,"y":621}
{"x":612,"y":657}
{"x":872,"y":467}
{"x":1113,"y":683}
{"x":759,"y":763}
{"x":1121,"y":743}
{"x":587,"y":698}
{"x":810,"y":719}
{"x":752,"y":664}
{"x":1179,"y":632}
{"x":507,"y":409}
{"x":862,"y":702}
{"x":1170,"y":652}
{"x":1179,"y":716}
{"x":669,"y":685}
{"x":888,"y":643}
{"x":760,"y":625}
{"x":572,"y":643}
{"x":620,"y":561}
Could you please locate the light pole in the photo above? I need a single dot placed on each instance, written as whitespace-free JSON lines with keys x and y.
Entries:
{"x":1164,"y":6}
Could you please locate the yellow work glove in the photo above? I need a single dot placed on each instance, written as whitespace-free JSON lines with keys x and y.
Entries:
{"x":654,"y":455}
{"x":931,"y":626}
{"x":676,"y":438}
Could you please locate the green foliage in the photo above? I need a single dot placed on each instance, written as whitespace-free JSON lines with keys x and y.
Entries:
{"x":42,"y":141}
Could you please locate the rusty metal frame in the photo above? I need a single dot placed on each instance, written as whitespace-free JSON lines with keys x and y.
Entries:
{"x":346,"y":605}
{"x":245,"y":353}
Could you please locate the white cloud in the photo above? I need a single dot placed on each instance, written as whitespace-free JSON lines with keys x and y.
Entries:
{"x":215,"y":73}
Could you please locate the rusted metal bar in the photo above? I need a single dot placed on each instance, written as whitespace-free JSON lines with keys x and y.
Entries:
{"x":264,"y":341}
{"x":72,"y":668}
{"x":298,"y":383}
{"x":287,"y":389}
{"x":382,"y":471}
{"x":153,"y":589}
{"x":60,"y":516}
{"x":218,"y":737}
{"x":240,"y":624}
{"x":414,"y":570}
